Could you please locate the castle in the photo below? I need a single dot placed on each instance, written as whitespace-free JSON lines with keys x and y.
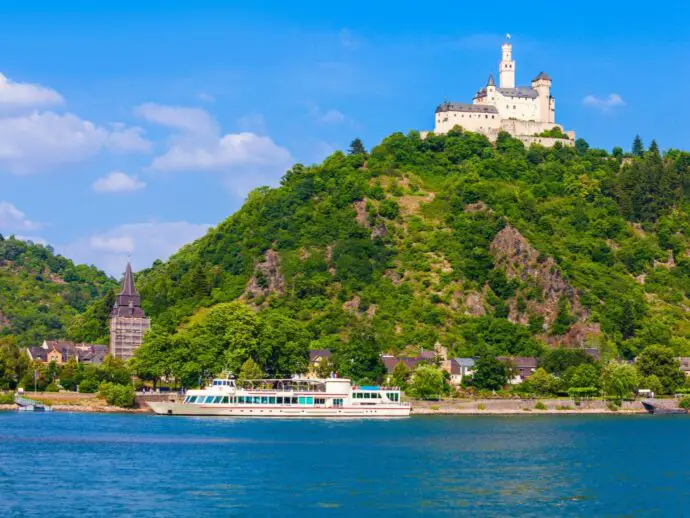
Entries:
{"x":128,"y":323}
{"x":526,"y":112}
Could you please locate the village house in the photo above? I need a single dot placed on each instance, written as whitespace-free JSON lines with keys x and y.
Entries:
{"x":316,"y":358}
{"x":524,"y":367}
{"x":60,"y":352}
{"x":459,"y":368}
{"x":685,"y":365}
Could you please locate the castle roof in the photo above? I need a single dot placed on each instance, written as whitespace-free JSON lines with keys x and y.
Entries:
{"x":467,"y":108}
{"x":128,"y":302}
{"x":542,"y":75}
{"x":491,"y":81}
{"x":521,"y":91}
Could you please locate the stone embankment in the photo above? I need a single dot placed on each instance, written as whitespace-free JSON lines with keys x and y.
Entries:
{"x":521,"y":406}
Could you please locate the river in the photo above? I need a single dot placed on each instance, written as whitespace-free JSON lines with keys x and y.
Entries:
{"x":143,"y":465}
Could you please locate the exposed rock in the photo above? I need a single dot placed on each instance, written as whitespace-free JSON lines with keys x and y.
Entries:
{"x":410,"y":204}
{"x":641,"y":278}
{"x":362,"y":216}
{"x":267,"y":277}
{"x":371,"y":311}
{"x":379,"y":231}
{"x":521,"y":260}
{"x":304,"y":254}
{"x":352,"y":306}
{"x":578,"y":335}
{"x":669,"y":264}
{"x":394,"y":276}
{"x":479,"y":206}
{"x":474,"y":304}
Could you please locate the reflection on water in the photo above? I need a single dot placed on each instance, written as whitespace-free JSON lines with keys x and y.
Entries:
{"x":124,"y":465}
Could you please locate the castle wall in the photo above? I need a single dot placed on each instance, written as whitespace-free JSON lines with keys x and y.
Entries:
{"x":529,"y":128}
{"x":516,"y":108}
{"x":476,"y":122}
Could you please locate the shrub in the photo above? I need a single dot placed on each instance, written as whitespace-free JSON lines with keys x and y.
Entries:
{"x":481,"y":406}
{"x":52,"y":388}
{"x":6,"y":399}
{"x":685,"y":403}
{"x":88,"y":386}
{"x":564,"y":407}
{"x":117,"y":395}
{"x":540,"y":406}
{"x":612,"y":406}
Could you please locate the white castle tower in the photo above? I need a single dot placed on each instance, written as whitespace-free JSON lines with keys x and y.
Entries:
{"x":507,"y":67}
{"x":526,"y":112}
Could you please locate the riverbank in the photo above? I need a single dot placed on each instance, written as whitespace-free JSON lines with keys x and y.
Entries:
{"x":522,"y":406}
{"x":92,"y":403}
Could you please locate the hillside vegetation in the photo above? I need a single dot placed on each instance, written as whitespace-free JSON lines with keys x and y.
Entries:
{"x":44,"y":296}
{"x":486,"y":249}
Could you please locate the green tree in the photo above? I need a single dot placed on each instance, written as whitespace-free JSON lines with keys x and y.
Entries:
{"x":558,"y":361}
{"x":427,"y":382}
{"x":117,"y":395}
{"x":114,"y":370}
{"x":360,"y":357}
{"x":357,"y":147}
{"x":584,"y":375}
{"x":542,"y":383}
{"x":401,"y":375}
{"x":250,"y":371}
{"x":652,"y":383}
{"x":619,"y":379}
{"x":637,"y":147}
{"x":660,"y":361}
{"x":490,"y":374}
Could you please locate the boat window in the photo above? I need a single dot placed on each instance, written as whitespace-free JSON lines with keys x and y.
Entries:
{"x":367,"y":395}
{"x":272,"y":400}
{"x":320,"y":401}
{"x":310,"y":401}
{"x":192,"y":399}
{"x":226,"y":400}
{"x":257,"y":400}
{"x":241,"y":399}
{"x":302,"y":400}
{"x":218,"y":399}
{"x":264,"y":400}
{"x":280,"y":400}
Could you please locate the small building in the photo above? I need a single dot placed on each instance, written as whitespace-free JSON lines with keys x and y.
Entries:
{"x":459,"y":368}
{"x":524,"y":367}
{"x":685,"y":365}
{"x":316,"y":358}
{"x":128,"y":323}
{"x":60,"y":352}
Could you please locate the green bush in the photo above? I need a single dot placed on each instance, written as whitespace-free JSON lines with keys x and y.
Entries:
{"x":117,"y":395}
{"x":52,"y":388}
{"x":540,"y":406}
{"x":88,"y":386}
{"x":6,"y":399}
{"x":685,"y":403}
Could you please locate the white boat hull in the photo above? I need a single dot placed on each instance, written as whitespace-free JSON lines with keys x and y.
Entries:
{"x":183,"y":409}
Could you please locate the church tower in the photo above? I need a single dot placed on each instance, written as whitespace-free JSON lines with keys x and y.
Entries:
{"x":507,"y":66}
{"x":127,"y":320}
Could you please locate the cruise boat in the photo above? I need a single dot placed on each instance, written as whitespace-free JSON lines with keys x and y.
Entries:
{"x":333,"y":397}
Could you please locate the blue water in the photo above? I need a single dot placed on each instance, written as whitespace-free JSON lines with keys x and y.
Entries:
{"x":138,"y":465}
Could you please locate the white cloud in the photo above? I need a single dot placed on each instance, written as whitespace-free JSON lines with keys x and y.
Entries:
{"x":118,"y":182}
{"x":604,"y":104}
{"x":11,"y":218}
{"x":26,"y":95}
{"x":44,"y":140}
{"x":191,"y":120}
{"x":330,"y":116}
{"x":233,"y":150}
{"x":207,"y":97}
{"x":145,"y":241}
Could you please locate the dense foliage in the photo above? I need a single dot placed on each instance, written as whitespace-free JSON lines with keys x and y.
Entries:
{"x":392,"y":251}
{"x":41,"y":293}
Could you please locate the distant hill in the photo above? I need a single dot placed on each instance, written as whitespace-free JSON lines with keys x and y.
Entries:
{"x":487,"y":249}
{"x":45,"y":296}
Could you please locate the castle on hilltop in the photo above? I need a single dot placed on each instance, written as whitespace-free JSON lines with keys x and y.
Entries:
{"x":526,"y":112}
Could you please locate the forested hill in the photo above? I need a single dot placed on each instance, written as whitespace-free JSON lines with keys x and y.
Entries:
{"x":45,"y":296}
{"x":485,"y":249}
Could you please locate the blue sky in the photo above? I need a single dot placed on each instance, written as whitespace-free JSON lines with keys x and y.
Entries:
{"x":133,"y":128}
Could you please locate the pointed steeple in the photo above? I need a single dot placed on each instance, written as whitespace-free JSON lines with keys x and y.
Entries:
{"x":491,"y":81}
{"x":128,"y":282}
{"x":128,"y":302}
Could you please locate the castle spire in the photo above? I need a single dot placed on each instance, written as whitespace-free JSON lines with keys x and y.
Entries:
{"x":491,"y":81}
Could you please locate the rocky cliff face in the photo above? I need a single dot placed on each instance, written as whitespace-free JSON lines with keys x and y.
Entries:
{"x":547,"y":287}
{"x":267,"y":278}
